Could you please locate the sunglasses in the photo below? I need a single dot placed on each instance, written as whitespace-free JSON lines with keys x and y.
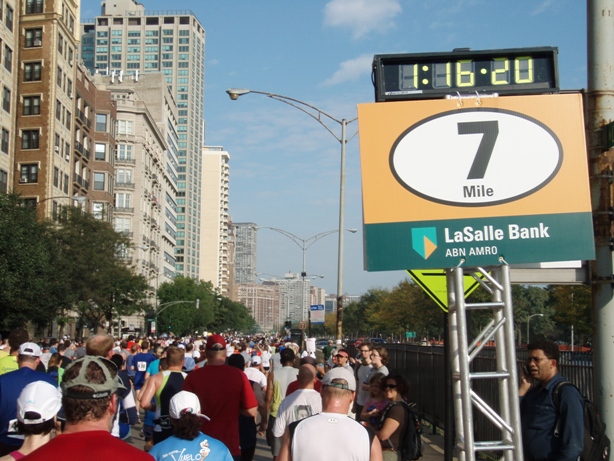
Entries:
{"x":390,"y":386}
{"x":217,"y":348}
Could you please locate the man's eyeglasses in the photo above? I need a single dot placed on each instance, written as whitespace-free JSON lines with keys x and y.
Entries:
{"x":535,"y":359}
{"x":390,"y":386}
{"x":364,"y":350}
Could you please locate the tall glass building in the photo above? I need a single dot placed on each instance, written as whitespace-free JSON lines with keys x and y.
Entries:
{"x":127,"y":40}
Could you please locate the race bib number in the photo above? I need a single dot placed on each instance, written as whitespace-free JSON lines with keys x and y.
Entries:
{"x":141,"y":366}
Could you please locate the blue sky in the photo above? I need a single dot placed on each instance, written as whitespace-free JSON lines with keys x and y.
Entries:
{"x":284,"y":165}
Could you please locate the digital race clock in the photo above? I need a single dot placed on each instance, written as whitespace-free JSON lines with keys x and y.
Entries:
{"x":399,"y":77}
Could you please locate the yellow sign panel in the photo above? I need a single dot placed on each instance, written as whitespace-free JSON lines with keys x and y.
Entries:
{"x":433,"y":282}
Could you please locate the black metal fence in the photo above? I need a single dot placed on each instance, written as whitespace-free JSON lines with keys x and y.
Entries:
{"x":423,"y":366}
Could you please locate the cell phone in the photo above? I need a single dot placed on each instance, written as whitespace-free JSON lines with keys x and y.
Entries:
{"x":525,"y":369}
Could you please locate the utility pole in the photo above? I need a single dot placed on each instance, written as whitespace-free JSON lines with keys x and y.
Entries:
{"x":600,"y":112}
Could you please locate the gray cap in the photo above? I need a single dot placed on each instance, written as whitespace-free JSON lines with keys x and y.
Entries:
{"x":334,"y":376}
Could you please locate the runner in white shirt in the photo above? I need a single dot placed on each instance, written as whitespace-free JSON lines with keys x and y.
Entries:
{"x":254,"y":372}
{"x":304,"y":402}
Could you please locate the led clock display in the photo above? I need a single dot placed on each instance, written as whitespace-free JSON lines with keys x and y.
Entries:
{"x":434,"y":75}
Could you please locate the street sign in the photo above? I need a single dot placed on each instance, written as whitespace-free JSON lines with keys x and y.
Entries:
{"x":434,"y":283}
{"x":471,"y":181}
{"x":410,"y":334}
{"x":153,"y":326}
{"x":318,"y":313}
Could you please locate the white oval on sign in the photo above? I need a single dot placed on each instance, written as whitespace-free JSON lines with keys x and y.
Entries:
{"x":476,"y":157}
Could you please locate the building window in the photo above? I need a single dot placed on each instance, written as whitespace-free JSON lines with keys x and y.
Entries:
{"x":123,"y":200}
{"x":99,"y":181}
{"x":32,"y":72}
{"x":30,"y":139}
{"x":101,"y":122}
{"x":34,"y":6}
{"x":34,"y":38}
{"x":125,"y":127}
{"x":4,"y":181}
{"x":124,"y":152}
{"x":101,"y":152}
{"x":31,"y":105}
{"x":6,"y":99}
{"x":4,"y":143}
{"x":8,"y":18}
{"x":29,"y":173}
{"x":65,"y":184}
{"x":8,"y":58}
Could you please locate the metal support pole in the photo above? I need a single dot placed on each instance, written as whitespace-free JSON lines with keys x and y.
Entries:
{"x":501,"y":329}
{"x":600,"y":26}
{"x":339,"y":332}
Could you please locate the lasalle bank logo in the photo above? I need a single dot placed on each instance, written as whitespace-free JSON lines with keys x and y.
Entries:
{"x":424,"y":241}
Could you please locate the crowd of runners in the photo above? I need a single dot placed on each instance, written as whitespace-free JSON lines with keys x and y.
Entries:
{"x":196,"y":398}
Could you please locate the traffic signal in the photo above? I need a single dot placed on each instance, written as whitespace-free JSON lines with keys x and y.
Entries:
{"x":288,"y":324}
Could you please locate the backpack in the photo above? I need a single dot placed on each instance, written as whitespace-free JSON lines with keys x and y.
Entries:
{"x":411,"y":440}
{"x":596,"y":443}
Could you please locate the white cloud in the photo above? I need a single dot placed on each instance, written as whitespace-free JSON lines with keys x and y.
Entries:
{"x":361,"y":16}
{"x":542,"y":7}
{"x":351,"y":70}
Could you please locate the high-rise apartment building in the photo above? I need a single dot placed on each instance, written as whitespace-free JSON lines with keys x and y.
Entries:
{"x":8,"y":78}
{"x":214,"y":261}
{"x":245,"y":252}
{"x":145,"y":176}
{"x":263,"y":302}
{"x":294,"y":296}
{"x":127,"y":40}
{"x":47,"y":170}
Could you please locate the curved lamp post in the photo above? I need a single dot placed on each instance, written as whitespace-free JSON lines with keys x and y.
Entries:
{"x":304,"y":244}
{"x":529,"y":322}
{"x":320,"y":116}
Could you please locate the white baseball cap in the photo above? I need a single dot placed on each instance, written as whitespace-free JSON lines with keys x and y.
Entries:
{"x":183,"y":403}
{"x":31,"y":349}
{"x":256,"y":360}
{"x":38,"y":397}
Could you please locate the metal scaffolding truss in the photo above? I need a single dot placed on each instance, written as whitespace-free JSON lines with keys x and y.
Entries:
{"x":496,"y":280}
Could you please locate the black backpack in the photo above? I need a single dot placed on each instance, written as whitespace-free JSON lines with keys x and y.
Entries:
{"x":596,"y":443}
{"x":411,"y":441}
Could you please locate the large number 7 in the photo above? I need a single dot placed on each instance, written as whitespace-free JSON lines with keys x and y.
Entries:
{"x":490,"y":130}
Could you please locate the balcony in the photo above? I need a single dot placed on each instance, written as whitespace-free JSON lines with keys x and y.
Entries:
{"x":126,"y":161}
{"x":125,"y":185}
{"x":123,"y":209}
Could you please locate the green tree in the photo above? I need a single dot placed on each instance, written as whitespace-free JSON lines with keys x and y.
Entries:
{"x":32,"y":285}
{"x":184,"y":318}
{"x":101,"y":283}
{"x":233,"y":316}
{"x":573,"y":306}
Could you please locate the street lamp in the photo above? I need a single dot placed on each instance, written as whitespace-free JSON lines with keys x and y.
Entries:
{"x":529,"y":322}
{"x":80,"y":199}
{"x":304,"y":244}
{"x":318,"y":115}
{"x":172,"y":303}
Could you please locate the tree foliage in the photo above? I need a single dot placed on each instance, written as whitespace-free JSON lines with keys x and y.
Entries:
{"x":184,"y":318}
{"x":31,"y":287}
{"x":103,"y":285}
{"x":48,"y":269}
{"x":215,"y":312}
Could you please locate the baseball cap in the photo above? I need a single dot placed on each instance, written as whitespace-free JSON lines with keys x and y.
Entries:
{"x":99,"y":390}
{"x":256,"y":360}
{"x":39,"y":397}
{"x":340,"y":373}
{"x":343,"y":353}
{"x":183,"y":403}
{"x":216,"y":341}
{"x":31,"y":349}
